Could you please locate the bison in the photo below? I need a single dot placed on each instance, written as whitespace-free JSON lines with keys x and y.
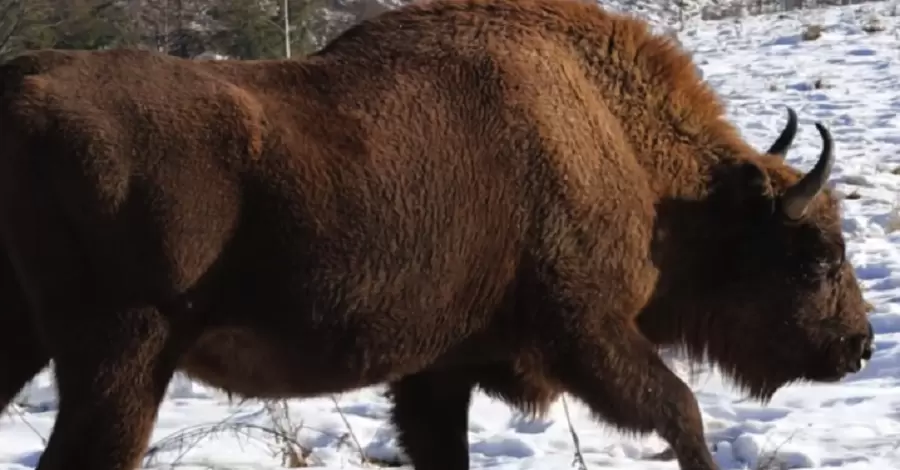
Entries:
{"x":524,"y":195}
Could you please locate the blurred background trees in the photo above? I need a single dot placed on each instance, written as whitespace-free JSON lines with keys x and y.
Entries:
{"x":246,"y":29}
{"x":254,"y":29}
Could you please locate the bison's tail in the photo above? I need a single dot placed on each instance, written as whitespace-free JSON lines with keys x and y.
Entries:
{"x":13,"y":71}
{"x":10,"y":81}
{"x":9,"y":77}
{"x":14,"y":74}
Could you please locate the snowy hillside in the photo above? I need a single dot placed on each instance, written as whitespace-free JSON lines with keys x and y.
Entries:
{"x":847,"y":78}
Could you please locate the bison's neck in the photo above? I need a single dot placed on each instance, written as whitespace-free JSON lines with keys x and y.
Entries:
{"x":698,"y":231}
{"x":682,"y":167}
{"x":700,"y":213}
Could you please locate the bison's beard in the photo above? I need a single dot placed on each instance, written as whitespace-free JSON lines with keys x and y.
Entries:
{"x":841,"y":355}
{"x":757,"y":364}
{"x":761,"y":365}
{"x":750,"y":376}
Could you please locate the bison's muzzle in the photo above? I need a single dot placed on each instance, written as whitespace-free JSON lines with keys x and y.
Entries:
{"x":863,"y":347}
{"x":851,"y":354}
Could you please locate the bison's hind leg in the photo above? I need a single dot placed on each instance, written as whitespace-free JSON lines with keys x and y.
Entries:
{"x":431,"y":409}
{"x":113,"y":355}
{"x":111,"y":377}
{"x":22,"y":355}
{"x":431,"y":414}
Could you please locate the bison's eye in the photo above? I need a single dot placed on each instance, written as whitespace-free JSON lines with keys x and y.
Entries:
{"x":835,"y":267}
{"x":829,"y":268}
{"x":832,"y":259}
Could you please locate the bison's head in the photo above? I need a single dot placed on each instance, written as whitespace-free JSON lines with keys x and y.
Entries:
{"x":773,"y":296}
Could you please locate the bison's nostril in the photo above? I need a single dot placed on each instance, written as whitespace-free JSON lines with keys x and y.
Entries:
{"x":864,"y":345}
{"x":860,"y":347}
{"x":867,"y":351}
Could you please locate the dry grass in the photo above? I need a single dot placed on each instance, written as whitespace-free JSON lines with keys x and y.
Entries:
{"x":820,"y":84}
{"x":873,"y":24}
{"x":15,"y":411}
{"x":893,"y":220}
{"x":292,"y":454}
{"x":280,"y":437}
{"x":812,"y":32}
{"x":578,"y":459}
{"x":771,"y":461}
{"x":853,"y":196}
{"x":892,"y":223}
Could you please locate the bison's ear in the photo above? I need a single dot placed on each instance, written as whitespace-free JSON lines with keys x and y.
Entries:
{"x":746,"y":189}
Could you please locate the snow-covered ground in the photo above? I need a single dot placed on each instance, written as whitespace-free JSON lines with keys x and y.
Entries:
{"x":759,"y":65}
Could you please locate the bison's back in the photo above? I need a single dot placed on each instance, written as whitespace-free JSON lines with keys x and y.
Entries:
{"x":386,"y":195}
{"x":254,"y":192}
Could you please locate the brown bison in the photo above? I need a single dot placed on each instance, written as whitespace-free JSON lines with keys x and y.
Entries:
{"x":526,"y":195}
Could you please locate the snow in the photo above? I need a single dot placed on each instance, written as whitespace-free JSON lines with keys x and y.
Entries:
{"x":759,"y":65}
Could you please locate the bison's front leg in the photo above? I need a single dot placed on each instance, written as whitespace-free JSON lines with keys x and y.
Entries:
{"x":22,"y":356}
{"x":617,"y":373}
{"x":431,"y":416}
{"x":597,"y":277}
{"x":112,"y":374}
{"x":22,"y":353}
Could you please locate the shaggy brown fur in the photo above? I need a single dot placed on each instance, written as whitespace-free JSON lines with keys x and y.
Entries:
{"x":526,"y":195}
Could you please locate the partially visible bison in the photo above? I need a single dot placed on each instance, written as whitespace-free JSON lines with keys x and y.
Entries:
{"x":526,"y":195}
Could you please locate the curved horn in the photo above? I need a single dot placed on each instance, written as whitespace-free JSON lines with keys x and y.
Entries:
{"x":798,"y":196}
{"x":784,"y":141}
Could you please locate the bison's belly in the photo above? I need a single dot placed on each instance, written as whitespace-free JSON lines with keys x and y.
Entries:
{"x":249,"y":364}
